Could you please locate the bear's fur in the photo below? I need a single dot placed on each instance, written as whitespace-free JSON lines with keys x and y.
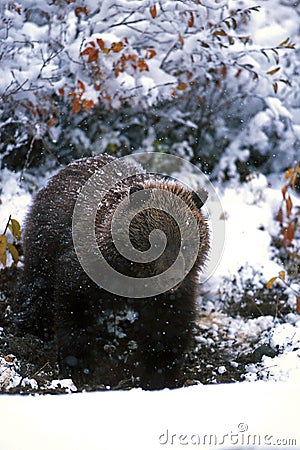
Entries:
{"x":101,"y":337}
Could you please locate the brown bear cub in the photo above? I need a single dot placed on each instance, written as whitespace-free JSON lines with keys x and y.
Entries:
{"x":103,"y":338}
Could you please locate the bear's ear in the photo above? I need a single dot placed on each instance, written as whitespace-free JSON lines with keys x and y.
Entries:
{"x":199,"y":197}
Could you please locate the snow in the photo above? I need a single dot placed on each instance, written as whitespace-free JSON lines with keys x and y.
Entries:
{"x":14,"y":198}
{"x":9,"y":376}
{"x":214,"y":4}
{"x":232,"y":416}
{"x":248,"y":208}
{"x":270,"y":35}
{"x":277,"y":108}
{"x":180,"y":418}
{"x":273,"y":25}
{"x":286,"y":366}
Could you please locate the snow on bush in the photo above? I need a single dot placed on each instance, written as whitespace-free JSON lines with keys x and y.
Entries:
{"x":187,"y":77}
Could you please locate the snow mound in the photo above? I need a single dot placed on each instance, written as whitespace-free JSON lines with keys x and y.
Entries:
{"x":236,"y":416}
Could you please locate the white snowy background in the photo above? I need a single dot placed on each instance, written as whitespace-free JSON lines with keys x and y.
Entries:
{"x":267,"y":408}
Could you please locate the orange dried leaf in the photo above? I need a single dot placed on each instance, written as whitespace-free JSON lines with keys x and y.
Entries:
{"x":283,"y":190}
{"x":289,"y":206}
{"x":191,"y":20}
{"x":153,"y":11}
{"x":275,"y":87}
{"x":151,"y":53}
{"x":220,"y":33}
{"x":15,"y":228}
{"x":9,"y":358}
{"x":101,"y":44}
{"x":204,"y":44}
{"x":289,"y":173}
{"x":282,"y":275}
{"x":61,"y":92}
{"x":142,"y":65}
{"x":107,"y":97}
{"x":87,"y":105}
{"x":85,"y":51}
{"x":131,"y":57}
{"x":294,"y":179}
{"x":14,"y":252}
{"x":92,"y":53}
{"x":76,"y":106}
{"x":181,"y":86}
{"x":273,"y":71}
{"x":118,"y":70}
{"x":181,"y":39}
{"x":117,"y":46}
{"x":3,"y":244}
{"x":81,"y":85}
{"x":224,"y":71}
{"x":271,"y":282}
{"x":290,"y":232}
{"x":283,"y":44}
{"x":298,"y":304}
{"x":81,"y":10}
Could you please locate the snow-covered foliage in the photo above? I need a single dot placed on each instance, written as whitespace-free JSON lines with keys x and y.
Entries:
{"x":191,"y":78}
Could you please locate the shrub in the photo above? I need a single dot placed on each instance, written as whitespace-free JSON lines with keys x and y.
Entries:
{"x":78,"y":78}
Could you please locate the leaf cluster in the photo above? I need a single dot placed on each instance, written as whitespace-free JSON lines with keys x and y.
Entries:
{"x":173,"y":66}
{"x":5,"y":246}
{"x":288,"y":218}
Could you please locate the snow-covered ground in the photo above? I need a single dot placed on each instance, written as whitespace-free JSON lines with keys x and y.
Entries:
{"x":236,"y":416}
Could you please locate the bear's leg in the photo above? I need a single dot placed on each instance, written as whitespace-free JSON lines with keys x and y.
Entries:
{"x":165,"y":338}
{"x":34,"y":313}
{"x":158,"y":369}
{"x":74,"y":338}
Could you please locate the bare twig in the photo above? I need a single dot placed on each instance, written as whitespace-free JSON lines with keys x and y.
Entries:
{"x":42,"y":368}
{"x":7,"y":225}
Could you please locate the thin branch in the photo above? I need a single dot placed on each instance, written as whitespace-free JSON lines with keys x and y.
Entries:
{"x":26,"y":163}
{"x":7,"y":225}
